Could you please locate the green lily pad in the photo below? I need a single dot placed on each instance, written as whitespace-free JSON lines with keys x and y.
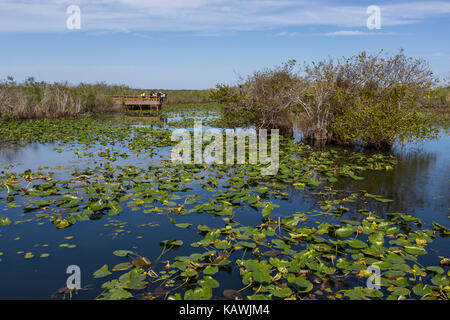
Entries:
{"x":281,"y":292}
{"x":171,"y":243}
{"x":210,"y":270}
{"x":183,"y":225}
{"x":377,"y":238}
{"x":301,"y":284}
{"x":102,"y":272}
{"x":122,"y":266}
{"x":355,"y":243}
{"x":344,"y":232}
{"x":199,"y":293}
{"x":415,"y":250}
{"x":123,"y":253}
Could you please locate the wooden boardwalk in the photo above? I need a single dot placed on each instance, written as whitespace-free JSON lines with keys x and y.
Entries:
{"x":136,"y":101}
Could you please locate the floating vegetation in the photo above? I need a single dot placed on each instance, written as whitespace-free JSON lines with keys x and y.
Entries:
{"x":184,"y":230}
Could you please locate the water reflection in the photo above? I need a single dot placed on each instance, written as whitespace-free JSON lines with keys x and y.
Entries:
{"x":13,"y":154}
{"x":419,"y":183}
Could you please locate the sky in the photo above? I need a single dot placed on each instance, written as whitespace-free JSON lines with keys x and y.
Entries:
{"x":195,"y":44}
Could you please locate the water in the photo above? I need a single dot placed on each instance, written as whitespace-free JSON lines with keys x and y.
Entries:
{"x":419,"y":186}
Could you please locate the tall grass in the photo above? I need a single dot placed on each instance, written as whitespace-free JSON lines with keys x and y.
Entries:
{"x":188,"y":96}
{"x":31,"y":99}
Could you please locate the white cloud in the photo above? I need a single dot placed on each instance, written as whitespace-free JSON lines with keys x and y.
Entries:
{"x":205,"y":16}
{"x":346,"y":33}
{"x":287,"y":34}
{"x":353,"y":33}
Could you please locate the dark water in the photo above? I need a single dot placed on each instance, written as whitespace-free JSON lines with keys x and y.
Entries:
{"x":419,"y":186}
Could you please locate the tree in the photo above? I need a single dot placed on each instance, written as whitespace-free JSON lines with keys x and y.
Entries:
{"x":373,"y":100}
{"x":262,"y":99}
{"x":380,"y":99}
{"x":313,"y":97}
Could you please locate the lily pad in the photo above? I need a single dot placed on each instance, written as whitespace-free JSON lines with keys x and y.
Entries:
{"x":102,"y":272}
{"x":141,"y":262}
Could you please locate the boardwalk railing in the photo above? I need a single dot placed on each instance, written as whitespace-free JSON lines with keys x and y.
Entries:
{"x":138,"y":101}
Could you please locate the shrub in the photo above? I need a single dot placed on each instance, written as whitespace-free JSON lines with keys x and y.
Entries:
{"x":373,"y":100}
{"x":313,"y":96}
{"x":380,"y":99}
{"x":262,"y":99}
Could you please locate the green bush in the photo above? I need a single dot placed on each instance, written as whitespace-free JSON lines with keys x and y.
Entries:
{"x":262,"y":99}
{"x":381,"y":100}
{"x":380,"y":122}
{"x":372,"y":100}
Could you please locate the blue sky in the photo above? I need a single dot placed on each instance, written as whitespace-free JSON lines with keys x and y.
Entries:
{"x":194,"y":44}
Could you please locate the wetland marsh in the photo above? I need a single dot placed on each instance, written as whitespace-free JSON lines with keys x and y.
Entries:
{"x":101,"y":193}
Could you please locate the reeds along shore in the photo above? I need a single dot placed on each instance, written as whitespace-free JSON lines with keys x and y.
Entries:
{"x":31,"y":99}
